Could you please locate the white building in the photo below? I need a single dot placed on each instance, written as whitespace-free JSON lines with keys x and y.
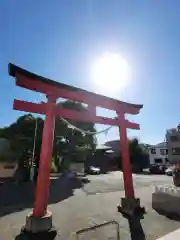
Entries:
{"x":158,"y":154}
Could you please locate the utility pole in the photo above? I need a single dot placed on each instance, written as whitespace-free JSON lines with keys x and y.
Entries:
{"x":33,"y":154}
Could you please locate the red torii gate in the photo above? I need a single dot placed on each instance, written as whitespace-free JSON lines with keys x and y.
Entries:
{"x":54,"y":90}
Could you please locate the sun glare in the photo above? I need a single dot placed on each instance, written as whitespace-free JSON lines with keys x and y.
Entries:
{"x":110,"y":73}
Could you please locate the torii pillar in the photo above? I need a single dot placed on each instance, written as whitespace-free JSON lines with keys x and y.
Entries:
{"x":40,"y":219}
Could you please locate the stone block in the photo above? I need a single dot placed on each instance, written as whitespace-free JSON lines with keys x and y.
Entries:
{"x":166,"y":200}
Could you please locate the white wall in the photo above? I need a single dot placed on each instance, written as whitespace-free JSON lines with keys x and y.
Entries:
{"x":7,"y":169}
{"x":158,"y":154}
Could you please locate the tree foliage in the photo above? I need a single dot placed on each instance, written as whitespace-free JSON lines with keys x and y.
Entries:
{"x":21,"y":133}
{"x":67,"y":141}
{"x":69,"y":137}
{"x":138,"y":156}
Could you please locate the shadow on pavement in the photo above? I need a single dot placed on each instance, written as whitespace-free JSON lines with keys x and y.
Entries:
{"x":143,"y":173}
{"x":172,"y":216}
{"x":17,"y":197}
{"x":136,"y":230}
{"x":45,"y":236}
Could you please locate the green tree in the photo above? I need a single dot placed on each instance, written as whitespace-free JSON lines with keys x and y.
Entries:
{"x":21,"y":137}
{"x":138,"y":156}
{"x":70,"y":138}
{"x":66,"y":140}
{"x":21,"y":133}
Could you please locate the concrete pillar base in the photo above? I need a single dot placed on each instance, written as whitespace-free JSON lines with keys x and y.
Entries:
{"x":38,"y":224}
{"x":39,"y":228}
{"x":130,"y":207}
{"x":166,"y":199}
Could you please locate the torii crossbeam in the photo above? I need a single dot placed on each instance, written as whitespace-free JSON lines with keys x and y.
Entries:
{"x":54,"y":90}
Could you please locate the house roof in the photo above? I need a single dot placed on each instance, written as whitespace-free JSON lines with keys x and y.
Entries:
{"x":115,"y":144}
{"x":162,"y":144}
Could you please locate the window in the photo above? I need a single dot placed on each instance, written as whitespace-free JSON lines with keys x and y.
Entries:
{"x":176,"y":151}
{"x":174,"y":139}
{"x":158,"y":160}
{"x":163,"y":151}
{"x":153,"y":150}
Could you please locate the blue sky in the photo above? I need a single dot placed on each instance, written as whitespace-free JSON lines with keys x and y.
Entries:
{"x":59,"y":38}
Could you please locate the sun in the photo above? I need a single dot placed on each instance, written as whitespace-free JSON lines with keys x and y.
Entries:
{"x":110,"y":73}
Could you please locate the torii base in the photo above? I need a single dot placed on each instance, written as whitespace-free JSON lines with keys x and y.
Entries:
{"x":39,"y":228}
{"x":38,"y":224}
{"x":130,"y":208}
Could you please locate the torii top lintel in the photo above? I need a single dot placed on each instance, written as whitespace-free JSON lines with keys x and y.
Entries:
{"x":37,"y":83}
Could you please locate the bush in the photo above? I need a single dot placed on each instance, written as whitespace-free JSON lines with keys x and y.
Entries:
{"x":5,"y":158}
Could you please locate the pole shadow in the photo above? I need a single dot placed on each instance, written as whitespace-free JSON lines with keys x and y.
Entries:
{"x":136,"y":230}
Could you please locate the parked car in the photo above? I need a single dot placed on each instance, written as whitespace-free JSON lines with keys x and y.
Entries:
{"x":169,"y":171}
{"x":157,"y":169}
{"x":93,"y":170}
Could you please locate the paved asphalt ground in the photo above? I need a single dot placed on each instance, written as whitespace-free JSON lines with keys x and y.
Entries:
{"x":76,"y":206}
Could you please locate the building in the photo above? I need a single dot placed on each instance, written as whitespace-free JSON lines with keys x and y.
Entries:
{"x":115,"y":144}
{"x":143,"y":159}
{"x":101,"y":158}
{"x":115,"y":147}
{"x":173,"y":144}
{"x":158,"y":155}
